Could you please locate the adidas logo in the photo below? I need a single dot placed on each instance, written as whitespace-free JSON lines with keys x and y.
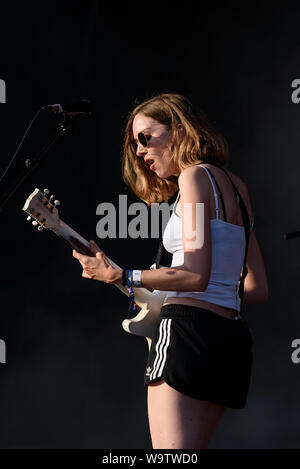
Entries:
{"x":148,"y":370}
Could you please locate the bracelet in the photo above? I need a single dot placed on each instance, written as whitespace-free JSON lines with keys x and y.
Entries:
{"x":131,"y":278}
{"x":131,"y":307}
{"x":137,"y":278}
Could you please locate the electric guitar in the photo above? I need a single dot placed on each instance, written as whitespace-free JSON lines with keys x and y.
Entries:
{"x":44,"y":214}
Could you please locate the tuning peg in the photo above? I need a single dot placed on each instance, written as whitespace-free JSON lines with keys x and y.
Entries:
{"x":28,"y":218}
{"x":35,"y":223}
{"x":46,"y":191}
{"x":56,"y":203}
{"x":51,"y":198}
{"x":40,"y":228}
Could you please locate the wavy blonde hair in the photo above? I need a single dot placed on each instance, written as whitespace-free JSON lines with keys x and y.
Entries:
{"x":200,"y":143}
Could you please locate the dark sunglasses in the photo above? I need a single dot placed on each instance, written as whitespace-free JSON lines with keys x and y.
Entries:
{"x":143,"y":139}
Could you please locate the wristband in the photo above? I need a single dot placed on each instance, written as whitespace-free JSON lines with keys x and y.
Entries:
{"x":129,"y":278}
{"x":137,"y":278}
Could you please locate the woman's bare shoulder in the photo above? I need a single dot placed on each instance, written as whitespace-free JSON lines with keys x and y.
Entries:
{"x":194,"y":170}
{"x":238,"y":182}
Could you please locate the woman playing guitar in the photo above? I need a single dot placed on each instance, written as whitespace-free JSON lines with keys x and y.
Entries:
{"x":200,"y":359}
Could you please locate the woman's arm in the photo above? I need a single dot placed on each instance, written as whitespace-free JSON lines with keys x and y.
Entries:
{"x":167,"y":279}
{"x":194,"y":274}
{"x":256,"y":283}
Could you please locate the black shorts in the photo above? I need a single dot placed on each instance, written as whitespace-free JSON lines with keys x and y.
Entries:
{"x":202,"y":354}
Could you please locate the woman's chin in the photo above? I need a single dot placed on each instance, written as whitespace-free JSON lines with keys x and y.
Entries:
{"x":165,"y":171}
{"x":163,"y":174}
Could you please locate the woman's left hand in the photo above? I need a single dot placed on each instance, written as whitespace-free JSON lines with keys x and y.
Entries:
{"x":98,"y":267}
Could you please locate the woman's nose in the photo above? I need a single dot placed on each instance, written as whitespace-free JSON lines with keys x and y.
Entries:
{"x":141,"y":151}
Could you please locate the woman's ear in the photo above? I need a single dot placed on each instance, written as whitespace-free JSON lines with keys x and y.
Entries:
{"x":181,"y":130}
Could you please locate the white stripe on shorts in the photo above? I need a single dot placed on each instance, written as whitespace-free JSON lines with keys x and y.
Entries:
{"x":161,"y":348}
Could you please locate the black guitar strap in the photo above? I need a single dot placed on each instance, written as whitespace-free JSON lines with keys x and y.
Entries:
{"x":246,"y":222}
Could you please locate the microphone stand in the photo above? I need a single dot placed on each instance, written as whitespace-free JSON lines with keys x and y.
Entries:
{"x":32,"y":164}
{"x":294,"y":234}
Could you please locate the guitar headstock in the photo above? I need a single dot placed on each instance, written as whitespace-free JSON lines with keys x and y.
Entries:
{"x":42,"y":211}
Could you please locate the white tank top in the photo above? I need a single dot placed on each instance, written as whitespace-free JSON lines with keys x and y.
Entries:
{"x":228,"y":251}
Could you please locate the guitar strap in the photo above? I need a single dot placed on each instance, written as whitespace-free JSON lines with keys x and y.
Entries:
{"x":246,"y":223}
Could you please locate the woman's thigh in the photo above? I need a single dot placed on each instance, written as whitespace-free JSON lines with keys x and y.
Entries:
{"x":180,"y":421}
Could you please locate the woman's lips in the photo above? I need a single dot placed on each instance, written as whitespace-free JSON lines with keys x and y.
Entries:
{"x":150,"y":164}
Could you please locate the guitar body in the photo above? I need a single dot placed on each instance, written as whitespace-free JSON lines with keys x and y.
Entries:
{"x":145,"y":322}
{"x":45,"y":214}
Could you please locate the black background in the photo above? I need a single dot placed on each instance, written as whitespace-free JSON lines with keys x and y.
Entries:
{"x":73,"y":377}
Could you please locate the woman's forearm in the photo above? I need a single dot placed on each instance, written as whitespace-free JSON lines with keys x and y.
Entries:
{"x":168,"y":279}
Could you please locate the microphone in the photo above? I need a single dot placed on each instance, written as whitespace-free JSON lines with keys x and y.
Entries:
{"x":82,"y":107}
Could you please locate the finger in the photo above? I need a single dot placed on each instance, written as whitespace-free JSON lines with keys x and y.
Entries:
{"x":100,"y":255}
{"x":85,"y":274}
{"x":76,"y":254}
{"x":94,"y":249}
{"x":81,"y":257}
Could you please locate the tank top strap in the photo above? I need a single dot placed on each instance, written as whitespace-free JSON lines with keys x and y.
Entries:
{"x":212,"y":177}
{"x":176,"y":201}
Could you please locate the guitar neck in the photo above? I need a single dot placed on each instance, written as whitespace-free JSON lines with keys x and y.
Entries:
{"x":75,"y":241}
{"x":72,"y":238}
{"x":37,"y":206}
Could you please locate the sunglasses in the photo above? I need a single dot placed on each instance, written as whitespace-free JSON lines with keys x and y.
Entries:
{"x":143,"y":139}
